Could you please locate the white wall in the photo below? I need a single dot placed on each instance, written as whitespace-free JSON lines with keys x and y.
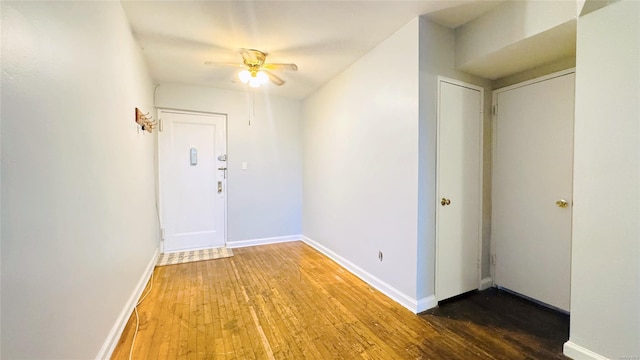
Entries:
{"x":488,"y":33}
{"x":369,"y":162}
{"x":437,"y":58}
{"x":265,"y":200}
{"x":361,"y":162}
{"x":605,"y":282}
{"x":78,"y":216}
{"x":516,"y":36}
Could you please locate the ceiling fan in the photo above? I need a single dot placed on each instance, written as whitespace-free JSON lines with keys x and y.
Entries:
{"x":256,"y":72}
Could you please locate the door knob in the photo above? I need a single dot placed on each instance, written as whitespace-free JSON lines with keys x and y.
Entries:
{"x":445,"y":202}
{"x":562,"y":203}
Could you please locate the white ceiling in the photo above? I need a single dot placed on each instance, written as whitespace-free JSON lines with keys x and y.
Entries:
{"x":322,"y":37}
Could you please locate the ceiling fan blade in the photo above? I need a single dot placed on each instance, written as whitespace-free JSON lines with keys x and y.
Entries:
{"x":253,"y":56}
{"x":216,"y":63}
{"x":279,"y":66}
{"x":247,"y":55}
{"x":274,"y":79}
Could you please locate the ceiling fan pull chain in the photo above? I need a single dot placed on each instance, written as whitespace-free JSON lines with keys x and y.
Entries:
{"x":252,"y":113}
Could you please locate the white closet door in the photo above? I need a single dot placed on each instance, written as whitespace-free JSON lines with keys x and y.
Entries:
{"x":459,"y":179}
{"x":532,"y":189}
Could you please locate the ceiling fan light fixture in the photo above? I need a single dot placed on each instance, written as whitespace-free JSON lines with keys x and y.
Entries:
{"x":244,"y":76}
{"x":256,"y":71}
{"x":254,"y":82}
{"x":262,"y":77}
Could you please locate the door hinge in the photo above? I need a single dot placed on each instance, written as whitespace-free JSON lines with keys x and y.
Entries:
{"x":494,"y":109}
{"x":160,"y":125}
{"x":162,"y":234}
{"x":493,"y":259}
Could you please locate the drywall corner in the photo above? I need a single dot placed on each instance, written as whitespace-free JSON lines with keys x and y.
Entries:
{"x":437,"y":58}
{"x":605,"y":261}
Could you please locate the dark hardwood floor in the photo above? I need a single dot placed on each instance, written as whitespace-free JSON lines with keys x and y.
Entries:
{"x":492,"y":317}
{"x":288,"y":301}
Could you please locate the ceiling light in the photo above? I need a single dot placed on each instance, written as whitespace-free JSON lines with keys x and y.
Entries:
{"x":254,"y":82}
{"x":253,"y":78}
{"x":244,"y":76}
{"x":262,"y":77}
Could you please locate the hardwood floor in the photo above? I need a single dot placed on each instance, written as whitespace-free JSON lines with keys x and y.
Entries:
{"x":288,"y":301}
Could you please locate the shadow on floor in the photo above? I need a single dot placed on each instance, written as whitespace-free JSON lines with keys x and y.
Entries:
{"x":506,"y":313}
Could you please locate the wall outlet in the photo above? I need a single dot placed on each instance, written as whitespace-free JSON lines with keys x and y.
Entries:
{"x":380,"y":255}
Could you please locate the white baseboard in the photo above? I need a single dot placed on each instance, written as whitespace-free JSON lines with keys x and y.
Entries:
{"x":577,"y":352}
{"x":263,"y":241}
{"x":485,"y":283}
{"x":394,"y":294}
{"x":426,"y":303}
{"x":116,"y":331}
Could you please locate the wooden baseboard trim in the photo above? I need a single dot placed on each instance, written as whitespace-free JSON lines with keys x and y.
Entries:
{"x":394,"y":294}
{"x":575,"y":351}
{"x":116,"y":331}
{"x":263,"y":241}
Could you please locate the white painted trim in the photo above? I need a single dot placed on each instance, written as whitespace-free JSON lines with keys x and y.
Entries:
{"x":577,"y":352}
{"x":536,"y":80}
{"x":442,"y":79}
{"x":485,"y":283}
{"x":263,"y":241}
{"x":116,"y":331}
{"x":463,"y":84}
{"x":494,"y":157}
{"x":394,"y":294}
{"x":426,"y":303}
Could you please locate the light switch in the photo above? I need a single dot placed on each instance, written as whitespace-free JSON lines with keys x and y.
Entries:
{"x":193,"y":156}
{"x":244,"y":165}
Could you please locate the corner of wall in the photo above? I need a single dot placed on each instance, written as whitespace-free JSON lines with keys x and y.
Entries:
{"x":410,"y":303}
{"x":574,"y":351}
{"x":112,"y":339}
{"x":605,"y":262}
{"x":437,"y":58}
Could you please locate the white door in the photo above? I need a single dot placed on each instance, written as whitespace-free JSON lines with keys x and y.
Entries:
{"x":532,"y":181}
{"x":459,"y":184}
{"x":192,"y":159}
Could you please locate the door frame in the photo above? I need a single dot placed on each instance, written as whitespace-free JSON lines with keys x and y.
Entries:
{"x":494,"y":143}
{"x":440,"y":80}
{"x":160,"y":186}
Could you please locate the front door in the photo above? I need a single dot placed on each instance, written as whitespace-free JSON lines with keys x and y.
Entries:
{"x":192,"y":148}
{"x":459,"y":183}
{"x":532,"y":188}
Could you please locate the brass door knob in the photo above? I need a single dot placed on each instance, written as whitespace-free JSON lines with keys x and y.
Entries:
{"x":445,"y":202}
{"x":562,"y":203}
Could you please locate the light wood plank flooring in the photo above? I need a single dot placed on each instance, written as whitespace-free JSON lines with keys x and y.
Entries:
{"x":288,"y":301}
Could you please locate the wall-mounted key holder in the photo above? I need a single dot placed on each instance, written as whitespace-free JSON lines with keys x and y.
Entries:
{"x":145,"y":121}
